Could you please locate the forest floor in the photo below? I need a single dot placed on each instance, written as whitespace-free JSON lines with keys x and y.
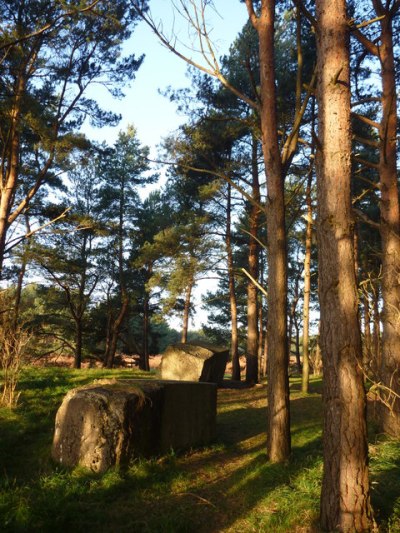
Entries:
{"x":228,"y":487}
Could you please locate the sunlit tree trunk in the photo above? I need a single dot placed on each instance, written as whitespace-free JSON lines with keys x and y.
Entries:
{"x":390,"y":224}
{"x":278,"y":438}
{"x":345,"y":503}
{"x":10,"y":171}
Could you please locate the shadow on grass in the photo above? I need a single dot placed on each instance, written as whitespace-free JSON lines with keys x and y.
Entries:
{"x":229,"y":486}
{"x":157,"y":496}
{"x":203,"y":491}
{"x":385,"y":484}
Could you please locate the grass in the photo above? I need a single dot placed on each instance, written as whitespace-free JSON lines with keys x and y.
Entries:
{"x":227,"y":487}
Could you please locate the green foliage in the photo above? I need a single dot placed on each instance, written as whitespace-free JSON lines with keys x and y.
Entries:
{"x":50,"y":54}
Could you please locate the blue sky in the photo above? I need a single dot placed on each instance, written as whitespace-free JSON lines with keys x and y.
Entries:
{"x":151,"y":113}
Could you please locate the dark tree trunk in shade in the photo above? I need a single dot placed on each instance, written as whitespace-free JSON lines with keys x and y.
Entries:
{"x":232,"y":291}
{"x":186,"y":313}
{"x":252,"y":290}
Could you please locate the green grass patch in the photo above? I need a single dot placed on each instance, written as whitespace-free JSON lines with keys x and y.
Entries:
{"x":228,"y":487}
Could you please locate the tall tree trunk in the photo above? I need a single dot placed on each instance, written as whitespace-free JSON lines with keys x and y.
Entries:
{"x":367,"y":329}
{"x":252,"y":296}
{"x":144,"y":359}
{"x":9,"y":182}
{"x":292,"y":319}
{"x":232,"y":290}
{"x":278,"y":438}
{"x":297,"y":345}
{"x":345,"y":503}
{"x":305,"y":379}
{"x":376,"y":332}
{"x":144,"y":363}
{"x":390,"y":224}
{"x":21,"y":275}
{"x":260,"y":336}
{"x":186,"y":313}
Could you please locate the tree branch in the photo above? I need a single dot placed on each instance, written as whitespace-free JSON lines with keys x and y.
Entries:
{"x":49,"y":25}
{"x":212,"y":69}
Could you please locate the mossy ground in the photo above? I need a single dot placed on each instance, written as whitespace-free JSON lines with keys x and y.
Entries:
{"x":228,"y":487}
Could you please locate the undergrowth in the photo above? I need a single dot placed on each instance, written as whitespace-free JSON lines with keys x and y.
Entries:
{"x":227,"y":487}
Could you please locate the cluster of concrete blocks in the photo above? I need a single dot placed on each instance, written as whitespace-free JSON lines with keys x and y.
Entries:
{"x":111,"y":422}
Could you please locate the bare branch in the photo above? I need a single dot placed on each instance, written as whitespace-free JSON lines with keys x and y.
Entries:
{"x":362,"y":216}
{"x":18,"y":240}
{"x":368,"y":142}
{"x":366,"y":163}
{"x":368,"y":100}
{"x":254,"y":281}
{"x":217,"y":174}
{"x":213,"y":67}
{"x":289,"y":147}
{"x":368,"y":45}
{"x":366,"y":120}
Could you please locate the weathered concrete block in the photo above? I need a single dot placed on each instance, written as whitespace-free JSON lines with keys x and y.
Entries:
{"x":194,"y":362}
{"x":112,"y":421}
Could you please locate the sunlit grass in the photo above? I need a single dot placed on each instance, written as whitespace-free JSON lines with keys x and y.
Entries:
{"x":228,"y":487}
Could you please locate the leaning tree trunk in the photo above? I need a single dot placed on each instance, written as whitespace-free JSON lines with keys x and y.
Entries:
{"x":389,"y":230}
{"x":115,"y":330}
{"x":345,"y":503}
{"x":278,"y":438}
{"x":252,"y":291}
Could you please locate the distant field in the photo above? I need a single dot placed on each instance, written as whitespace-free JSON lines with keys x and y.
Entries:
{"x":227,"y":487}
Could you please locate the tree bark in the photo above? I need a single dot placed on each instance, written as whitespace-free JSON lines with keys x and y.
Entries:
{"x":376,"y":332}
{"x":367,"y":330}
{"x":305,"y":377}
{"x":278,"y":438}
{"x":292,"y":321}
{"x":144,"y":363}
{"x":9,"y":182}
{"x":78,"y":343}
{"x":115,"y":330}
{"x":345,"y":503}
{"x":252,"y":291}
{"x":390,"y":225}
{"x":232,"y":290}
{"x":144,"y":359}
